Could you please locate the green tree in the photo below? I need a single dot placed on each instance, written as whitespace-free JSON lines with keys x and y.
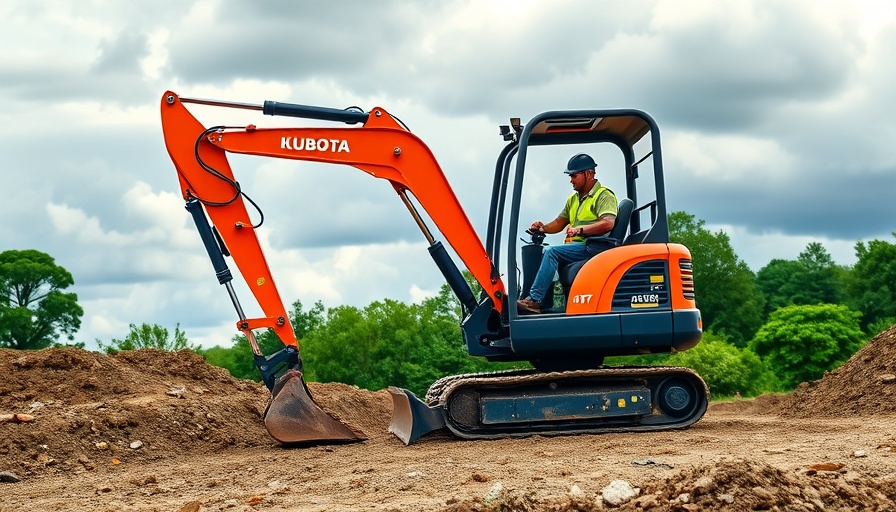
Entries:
{"x":729,"y":300}
{"x":813,"y":278}
{"x":826,"y":278}
{"x":391,"y":343}
{"x":872,"y":284}
{"x":149,"y":336}
{"x":304,"y":322}
{"x":34,"y":310}
{"x":239,"y":359}
{"x":800,"y":343}
{"x":727,"y":370}
{"x":780,"y":282}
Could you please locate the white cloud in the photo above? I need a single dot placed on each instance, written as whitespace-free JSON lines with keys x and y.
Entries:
{"x":728,"y":158}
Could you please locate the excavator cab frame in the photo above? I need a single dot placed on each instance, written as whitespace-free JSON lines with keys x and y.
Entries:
{"x":655,"y":312}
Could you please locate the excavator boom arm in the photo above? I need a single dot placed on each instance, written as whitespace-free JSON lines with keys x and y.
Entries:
{"x":380,"y":147}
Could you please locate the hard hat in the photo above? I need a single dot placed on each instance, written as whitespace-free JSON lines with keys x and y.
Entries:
{"x":579,"y":163}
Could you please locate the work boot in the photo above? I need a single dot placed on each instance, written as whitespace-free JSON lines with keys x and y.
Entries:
{"x":528,"y":306}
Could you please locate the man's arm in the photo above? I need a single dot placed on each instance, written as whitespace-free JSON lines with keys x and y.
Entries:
{"x":602,"y":226}
{"x":555,"y":226}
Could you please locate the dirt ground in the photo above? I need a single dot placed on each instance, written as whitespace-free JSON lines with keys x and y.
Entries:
{"x":151,"y":430}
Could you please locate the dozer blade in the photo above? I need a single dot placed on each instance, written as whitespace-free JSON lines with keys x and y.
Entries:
{"x":292,"y":416}
{"x":411,"y":417}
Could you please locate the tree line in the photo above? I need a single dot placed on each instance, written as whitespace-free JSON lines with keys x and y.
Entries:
{"x":764,"y":332}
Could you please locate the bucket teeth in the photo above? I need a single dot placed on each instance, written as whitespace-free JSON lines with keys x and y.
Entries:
{"x":292,"y":416}
{"x":411,"y":417}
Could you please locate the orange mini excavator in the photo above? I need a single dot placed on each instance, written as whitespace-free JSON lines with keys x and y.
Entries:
{"x":636,"y":296}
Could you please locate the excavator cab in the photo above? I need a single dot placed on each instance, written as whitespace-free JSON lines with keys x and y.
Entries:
{"x":634,"y":296}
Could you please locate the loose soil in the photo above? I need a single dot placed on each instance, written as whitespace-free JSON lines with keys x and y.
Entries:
{"x":151,"y":430}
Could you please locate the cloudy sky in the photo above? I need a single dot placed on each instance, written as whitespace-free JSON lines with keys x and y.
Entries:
{"x":778,"y":122}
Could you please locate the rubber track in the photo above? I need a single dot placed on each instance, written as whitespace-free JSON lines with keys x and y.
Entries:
{"x":442,"y":389}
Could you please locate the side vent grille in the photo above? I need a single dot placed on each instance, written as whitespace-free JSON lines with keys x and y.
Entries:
{"x":643,"y":286}
{"x":687,"y":279}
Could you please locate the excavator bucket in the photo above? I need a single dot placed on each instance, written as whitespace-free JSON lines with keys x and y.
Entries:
{"x":411,"y":417}
{"x":292,"y":416}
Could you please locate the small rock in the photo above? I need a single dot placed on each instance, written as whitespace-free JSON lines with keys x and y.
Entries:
{"x":87,"y":463}
{"x":136,"y":445}
{"x":192,"y":506}
{"x":35,"y":406}
{"x":22,"y":418}
{"x":826,"y":466}
{"x":176,"y":392}
{"x":727,"y":498}
{"x":650,"y":462}
{"x":9,"y":477}
{"x":102,"y":445}
{"x":493,"y":493}
{"x":414,"y":474}
{"x":888,"y":378}
{"x":703,"y":485}
{"x":859,"y":453}
{"x":576,"y":491}
{"x":619,"y":492}
{"x":683,"y":498}
{"x":762,"y":492}
{"x":6,"y":418}
{"x":647,"y":502}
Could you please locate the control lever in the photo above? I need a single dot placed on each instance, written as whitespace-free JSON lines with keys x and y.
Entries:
{"x":537,"y":237}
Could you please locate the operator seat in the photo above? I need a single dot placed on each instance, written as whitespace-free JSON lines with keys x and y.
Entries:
{"x":615,"y":237}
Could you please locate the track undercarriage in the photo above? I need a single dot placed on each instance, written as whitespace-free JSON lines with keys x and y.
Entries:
{"x":528,"y":402}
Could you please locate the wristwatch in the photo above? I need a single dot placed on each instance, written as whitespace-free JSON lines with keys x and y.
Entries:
{"x":581,"y":231}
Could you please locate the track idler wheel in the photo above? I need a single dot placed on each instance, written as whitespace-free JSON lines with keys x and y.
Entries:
{"x":677,"y":397}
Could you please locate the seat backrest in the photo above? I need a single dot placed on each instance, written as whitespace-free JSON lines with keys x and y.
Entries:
{"x":623,"y":218}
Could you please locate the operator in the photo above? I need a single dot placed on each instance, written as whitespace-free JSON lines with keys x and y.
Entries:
{"x":589,"y":211}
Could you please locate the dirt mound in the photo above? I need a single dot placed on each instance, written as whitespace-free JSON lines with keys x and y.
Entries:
{"x":728,"y":485}
{"x":127,"y":432}
{"x":865,"y":385}
{"x":138,"y":405}
{"x":754,"y":485}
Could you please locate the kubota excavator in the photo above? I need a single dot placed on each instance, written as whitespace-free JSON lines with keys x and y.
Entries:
{"x":634,"y":297}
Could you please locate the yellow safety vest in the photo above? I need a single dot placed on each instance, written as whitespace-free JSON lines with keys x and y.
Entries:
{"x":583,"y":213}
